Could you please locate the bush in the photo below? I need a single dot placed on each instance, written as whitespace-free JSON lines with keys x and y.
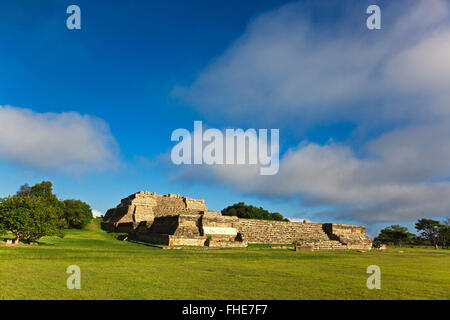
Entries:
{"x":35,"y":212}
{"x":395,"y":234}
{"x":242,"y":210}
{"x":77,"y":213}
{"x":29,"y":217}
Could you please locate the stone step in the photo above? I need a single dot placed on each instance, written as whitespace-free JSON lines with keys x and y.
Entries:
{"x":225,"y":244}
{"x":329,"y":245}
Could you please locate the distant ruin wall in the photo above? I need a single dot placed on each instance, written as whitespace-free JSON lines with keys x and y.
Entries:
{"x":266,"y":231}
{"x":354,"y":237}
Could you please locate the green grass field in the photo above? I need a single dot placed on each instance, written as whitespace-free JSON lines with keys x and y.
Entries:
{"x":113,"y":269}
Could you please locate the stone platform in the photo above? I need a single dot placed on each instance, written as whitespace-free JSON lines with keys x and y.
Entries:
{"x":174,"y":220}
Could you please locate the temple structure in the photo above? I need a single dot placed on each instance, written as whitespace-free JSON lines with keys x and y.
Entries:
{"x":175,"y":220}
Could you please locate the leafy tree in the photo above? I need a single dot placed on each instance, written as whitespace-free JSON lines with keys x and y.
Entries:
{"x":77,"y":213}
{"x":29,"y":217}
{"x":444,"y":234}
{"x":429,"y":230}
{"x":32,"y":213}
{"x":43,"y":189}
{"x":278,"y":216}
{"x":417,"y":240}
{"x":242,"y":210}
{"x":24,"y":190}
{"x":395,"y":234}
{"x":2,"y":225}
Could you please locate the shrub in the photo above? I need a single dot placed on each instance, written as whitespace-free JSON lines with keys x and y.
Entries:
{"x":77,"y":213}
{"x":29,"y":217}
{"x":394,"y":234}
{"x":242,"y":210}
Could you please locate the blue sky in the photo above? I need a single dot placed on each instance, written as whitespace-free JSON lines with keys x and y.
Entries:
{"x":363,"y":114}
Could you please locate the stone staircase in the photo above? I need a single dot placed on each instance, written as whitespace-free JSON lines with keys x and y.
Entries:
{"x":329,"y":245}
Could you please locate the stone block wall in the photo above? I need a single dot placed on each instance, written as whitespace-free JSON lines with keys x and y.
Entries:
{"x":145,"y":206}
{"x":219,"y":228}
{"x":184,"y":226}
{"x":164,"y":225}
{"x":354,"y":237}
{"x":265,"y":231}
{"x":324,"y":236}
{"x":169,"y":206}
{"x":188,"y":226}
{"x":195,"y":204}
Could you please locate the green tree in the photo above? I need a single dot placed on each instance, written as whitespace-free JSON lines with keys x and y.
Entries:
{"x":394,"y":234}
{"x":2,"y":224}
{"x":429,"y":230}
{"x":444,"y":233}
{"x":77,"y":213}
{"x":29,"y":217}
{"x":32,"y":213}
{"x":24,"y":190}
{"x":43,"y":190}
{"x":244,"y":211}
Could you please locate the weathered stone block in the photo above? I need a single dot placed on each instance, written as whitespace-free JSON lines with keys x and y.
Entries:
{"x":304,"y":248}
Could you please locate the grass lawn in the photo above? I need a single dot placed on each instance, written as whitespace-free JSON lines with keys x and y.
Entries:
{"x":113,"y":269}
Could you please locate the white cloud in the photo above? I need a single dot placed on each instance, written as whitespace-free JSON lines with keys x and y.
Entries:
{"x":424,"y":68}
{"x":396,"y":180}
{"x":285,"y":68}
{"x":97,"y":214}
{"x":299,"y":220}
{"x":66,"y":142}
{"x":395,"y":82}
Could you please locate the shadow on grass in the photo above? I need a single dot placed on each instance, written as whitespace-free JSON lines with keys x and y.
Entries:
{"x":134,"y":239}
{"x":34,"y":243}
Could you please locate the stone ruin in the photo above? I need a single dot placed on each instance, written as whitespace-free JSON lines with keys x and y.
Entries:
{"x":175,"y":220}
